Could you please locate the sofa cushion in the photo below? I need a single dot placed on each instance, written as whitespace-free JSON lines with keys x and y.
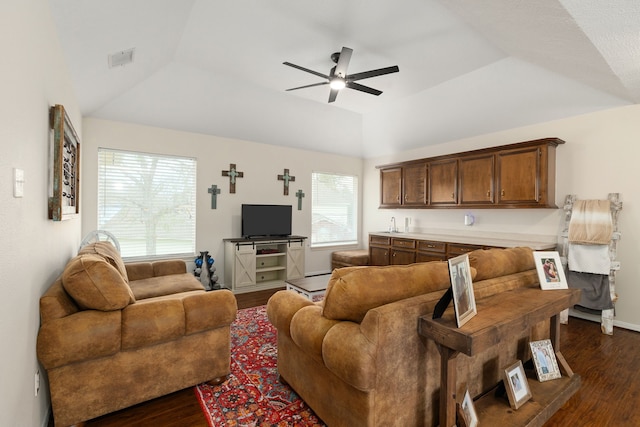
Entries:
{"x":165,"y":285}
{"x":109,"y":253}
{"x":352,"y":291}
{"x":95,"y":284}
{"x":491,"y":263}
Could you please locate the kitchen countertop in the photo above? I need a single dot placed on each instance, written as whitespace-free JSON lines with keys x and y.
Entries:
{"x":505,"y":240}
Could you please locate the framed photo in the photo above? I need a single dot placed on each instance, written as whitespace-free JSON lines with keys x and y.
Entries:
{"x":544,"y":360}
{"x":515,"y":381}
{"x":468,"y":411}
{"x":464,"y":302}
{"x":64,"y":193}
{"x":550,"y":271}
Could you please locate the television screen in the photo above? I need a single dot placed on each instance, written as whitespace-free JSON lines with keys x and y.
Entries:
{"x":266,"y":220}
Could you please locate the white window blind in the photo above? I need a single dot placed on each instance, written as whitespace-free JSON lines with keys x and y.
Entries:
{"x":334,"y":209}
{"x":147,"y":202}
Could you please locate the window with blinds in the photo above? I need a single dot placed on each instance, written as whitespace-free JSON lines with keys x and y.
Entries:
{"x":334,"y":210}
{"x":148,"y":202}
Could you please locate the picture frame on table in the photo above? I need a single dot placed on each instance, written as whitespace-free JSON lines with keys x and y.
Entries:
{"x":550,"y":271}
{"x":464,"y":302}
{"x":467,"y":412}
{"x":516,"y":384}
{"x":544,"y":359}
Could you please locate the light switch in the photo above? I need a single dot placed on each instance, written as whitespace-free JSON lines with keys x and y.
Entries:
{"x":18,"y":182}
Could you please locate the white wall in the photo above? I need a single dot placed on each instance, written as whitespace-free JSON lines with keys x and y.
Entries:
{"x":34,"y":249}
{"x":599,"y":157}
{"x":260,"y":163}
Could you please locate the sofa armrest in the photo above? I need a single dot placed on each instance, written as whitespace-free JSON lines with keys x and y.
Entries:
{"x":282,"y":306}
{"x":84,"y":335}
{"x":209,"y":310}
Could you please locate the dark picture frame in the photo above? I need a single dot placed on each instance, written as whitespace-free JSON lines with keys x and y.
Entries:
{"x":516,"y":384}
{"x":464,"y":301}
{"x":64,"y":197}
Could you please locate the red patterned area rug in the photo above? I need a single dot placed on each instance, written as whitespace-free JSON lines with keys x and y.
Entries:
{"x":253,"y":396}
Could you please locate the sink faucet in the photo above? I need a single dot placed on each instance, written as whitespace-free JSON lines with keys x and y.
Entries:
{"x":392,"y":227}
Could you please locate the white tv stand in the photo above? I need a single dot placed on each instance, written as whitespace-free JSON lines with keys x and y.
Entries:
{"x":255,"y":264}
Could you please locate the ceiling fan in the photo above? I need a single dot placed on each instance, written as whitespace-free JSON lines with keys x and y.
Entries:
{"x":338,"y":77}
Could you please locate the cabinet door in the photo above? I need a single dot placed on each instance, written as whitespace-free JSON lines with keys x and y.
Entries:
{"x":443,"y":183}
{"x":402,"y":257}
{"x":476,"y":180}
{"x":378,"y":255}
{"x":295,"y":260}
{"x":519,"y":176}
{"x":390,"y":187}
{"x":414,"y":184}
{"x":245,"y":266}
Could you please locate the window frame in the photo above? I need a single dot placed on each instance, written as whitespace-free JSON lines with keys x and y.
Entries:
{"x":355,"y":215}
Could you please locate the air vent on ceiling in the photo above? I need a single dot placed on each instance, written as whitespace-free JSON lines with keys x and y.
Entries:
{"x":121,"y":58}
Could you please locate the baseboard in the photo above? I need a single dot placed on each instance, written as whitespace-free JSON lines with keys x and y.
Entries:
{"x":597,"y":319}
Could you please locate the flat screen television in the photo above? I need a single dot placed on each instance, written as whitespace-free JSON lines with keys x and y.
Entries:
{"x":266,"y":220}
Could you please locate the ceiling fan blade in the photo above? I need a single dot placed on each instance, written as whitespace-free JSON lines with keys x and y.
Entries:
{"x":373,"y":73}
{"x":363,"y":88}
{"x":343,"y":62}
{"x":324,"y":76}
{"x":306,"y":86}
{"x":333,"y":94}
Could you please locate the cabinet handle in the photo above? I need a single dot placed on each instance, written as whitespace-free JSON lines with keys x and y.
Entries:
{"x":502,"y":193}
{"x":405,"y":197}
{"x":489,"y":194}
{"x":453,"y":196}
{"x":398,"y":199}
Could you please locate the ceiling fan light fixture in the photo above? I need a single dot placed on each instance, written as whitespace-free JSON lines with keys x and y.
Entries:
{"x":337,"y":83}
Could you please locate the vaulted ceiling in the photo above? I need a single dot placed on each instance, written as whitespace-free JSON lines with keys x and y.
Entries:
{"x":466,"y":67}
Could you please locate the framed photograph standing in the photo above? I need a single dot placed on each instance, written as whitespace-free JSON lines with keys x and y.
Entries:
{"x":468,"y":411}
{"x":544,"y":359}
{"x":550,"y":272}
{"x":515,"y":381}
{"x":464,"y":302}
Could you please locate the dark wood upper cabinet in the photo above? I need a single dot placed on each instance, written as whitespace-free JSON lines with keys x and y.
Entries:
{"x":443,"y":179}
{"x":414,"y":184}
{"x":390,"y":187}
{"x":477,"y":180}
{"x":520,"y":175}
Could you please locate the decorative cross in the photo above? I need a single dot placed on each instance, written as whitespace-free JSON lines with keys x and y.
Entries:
{"x":214,"y":190}
{"x":299,"y":195}
{"x":286,"y":178}
{"x":232,"y":173}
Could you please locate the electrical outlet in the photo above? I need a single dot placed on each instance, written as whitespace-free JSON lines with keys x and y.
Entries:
{"x":37,"y":382}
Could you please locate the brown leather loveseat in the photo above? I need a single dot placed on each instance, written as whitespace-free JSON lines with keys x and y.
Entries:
{"x":114,"y":334}
{"x":357,"y":358}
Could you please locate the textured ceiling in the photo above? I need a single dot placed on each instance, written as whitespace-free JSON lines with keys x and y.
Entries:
{"x":466,"y":68}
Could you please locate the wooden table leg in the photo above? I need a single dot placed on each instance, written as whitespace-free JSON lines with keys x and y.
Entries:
{"x":554,"y":332}
{"x":447,"y":386}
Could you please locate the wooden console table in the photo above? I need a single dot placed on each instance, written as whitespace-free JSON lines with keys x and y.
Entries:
{"x":500,"y":317}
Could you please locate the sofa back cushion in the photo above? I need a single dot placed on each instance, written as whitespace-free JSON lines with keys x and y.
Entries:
{"x":352,"y":291}
{"x":490,"y":263}
{"x":110,"y":254}
{"x":95,"y":284}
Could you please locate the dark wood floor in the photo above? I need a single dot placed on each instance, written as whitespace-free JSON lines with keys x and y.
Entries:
{"x":609,"y":396}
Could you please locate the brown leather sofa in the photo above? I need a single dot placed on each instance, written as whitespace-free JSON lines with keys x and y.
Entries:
{"x":114,"y":335}
{"x":357,"y":359}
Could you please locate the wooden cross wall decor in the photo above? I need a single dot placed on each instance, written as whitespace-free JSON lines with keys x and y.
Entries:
{"x":286,"y":178}
{"x":299,"y":195}
{"x":214,"y":190}
{"x":232,"y":173}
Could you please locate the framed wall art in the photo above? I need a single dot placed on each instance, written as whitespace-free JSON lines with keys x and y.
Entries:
{"x":550,"y":271}
{"x":64,"y":194}
{"x":544,"y":359}
{"x":515,"y":381}
{"x":464,"y":302}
